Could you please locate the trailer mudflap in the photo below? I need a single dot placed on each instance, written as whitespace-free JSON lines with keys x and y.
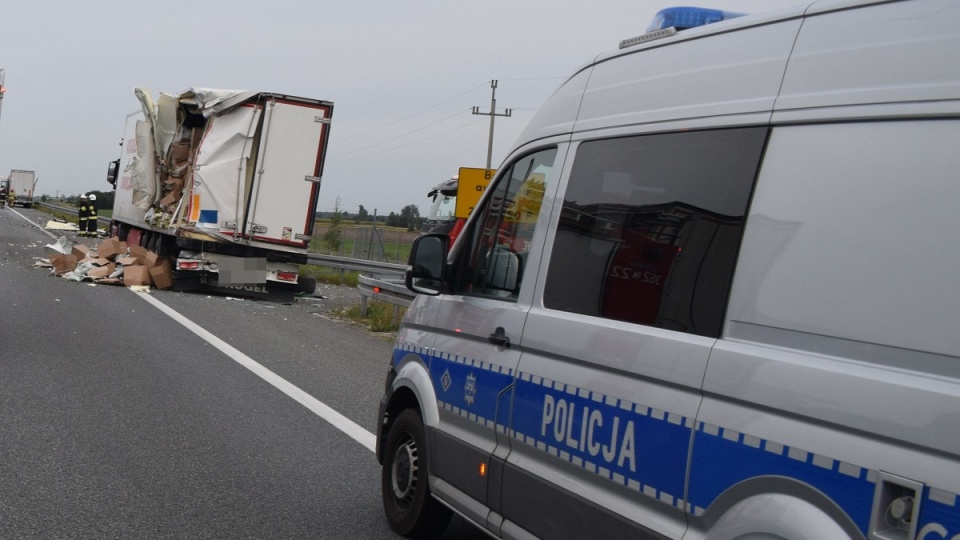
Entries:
{"x":188,"y":280}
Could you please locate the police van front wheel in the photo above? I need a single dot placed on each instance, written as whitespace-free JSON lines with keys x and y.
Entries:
{"x":410,"y":509}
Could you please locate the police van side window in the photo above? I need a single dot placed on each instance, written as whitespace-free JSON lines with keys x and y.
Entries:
{"x":651,"y":225}
{"x":497,"y":253}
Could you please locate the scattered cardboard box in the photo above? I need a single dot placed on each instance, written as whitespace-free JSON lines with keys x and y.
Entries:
{"x":151,"y":259}
{"x":138,"y":252}
{"x":63,"y":263}
{"x":81,"y":251}
{"x":162,"y":275}
{"x":111,"y":248}
{"x":136,"y":275}
{"x":101,"y":271}
{"x":112,"y":263}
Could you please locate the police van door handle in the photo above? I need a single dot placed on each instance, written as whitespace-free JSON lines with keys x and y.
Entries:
{"x":499,"y":337}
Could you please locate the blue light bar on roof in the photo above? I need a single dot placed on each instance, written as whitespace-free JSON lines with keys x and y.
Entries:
{"x":682,"y":18}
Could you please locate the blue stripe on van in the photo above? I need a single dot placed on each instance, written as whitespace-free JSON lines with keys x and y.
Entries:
{"x":633,"y":445}
{"x":470,"y":388}
{"x":723,"y":458}
{"x":648,"y":450}
{"x":939,"y":515}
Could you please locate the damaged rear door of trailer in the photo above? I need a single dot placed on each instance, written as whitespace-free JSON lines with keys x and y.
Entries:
{"x":236,"y":166}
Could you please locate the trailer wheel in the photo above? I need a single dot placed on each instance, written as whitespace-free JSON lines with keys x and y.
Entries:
{"x":151,"y":243}
{"x":405,"y":481}
{"x":306,"y":284}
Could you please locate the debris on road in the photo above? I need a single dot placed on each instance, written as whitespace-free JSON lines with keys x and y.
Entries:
{"x":61,"y":225}
{"x":111,"y":263}
{"x":61,"y":246}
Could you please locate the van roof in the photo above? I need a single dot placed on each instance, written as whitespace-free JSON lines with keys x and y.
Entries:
{"x":717,"y":71}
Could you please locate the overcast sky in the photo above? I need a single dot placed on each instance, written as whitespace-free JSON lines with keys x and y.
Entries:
{"x":403,"y":76}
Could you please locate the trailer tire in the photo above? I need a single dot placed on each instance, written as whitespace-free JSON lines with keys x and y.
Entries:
{"x":151,"y":244}
{"x":306,"y":284}
{"x":405,"y":481}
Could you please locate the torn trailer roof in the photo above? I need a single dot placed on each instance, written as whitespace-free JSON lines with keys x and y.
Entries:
{"x":224,"y":165}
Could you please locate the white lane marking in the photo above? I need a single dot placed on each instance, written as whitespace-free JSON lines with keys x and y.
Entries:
{"x":25,"y":218}
{"x":339,"y":421}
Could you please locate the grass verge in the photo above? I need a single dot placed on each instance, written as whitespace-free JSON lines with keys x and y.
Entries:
{"x":331,"y":276}
{"x":381,"y":316}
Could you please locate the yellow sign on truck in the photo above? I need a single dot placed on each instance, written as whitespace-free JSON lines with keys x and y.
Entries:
{"x":472,"y":183}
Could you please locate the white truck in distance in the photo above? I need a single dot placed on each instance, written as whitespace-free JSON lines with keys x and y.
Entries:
{"x":226,"y":183}
{"x":22,"y":184}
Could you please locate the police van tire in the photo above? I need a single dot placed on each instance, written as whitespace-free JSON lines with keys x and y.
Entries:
{"x":405,"y":487}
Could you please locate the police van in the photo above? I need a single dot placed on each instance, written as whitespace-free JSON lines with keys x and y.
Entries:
{"x":714,"y":292}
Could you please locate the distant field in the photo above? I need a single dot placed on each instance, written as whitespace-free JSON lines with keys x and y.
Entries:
{"x":390,"y":244}
{"x":69,"y":216}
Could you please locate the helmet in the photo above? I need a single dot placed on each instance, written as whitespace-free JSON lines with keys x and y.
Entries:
{"x":92,"y":197}
{"x":84,"y":196}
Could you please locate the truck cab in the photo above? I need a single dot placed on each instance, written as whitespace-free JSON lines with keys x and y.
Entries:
{"x":441,"y":217}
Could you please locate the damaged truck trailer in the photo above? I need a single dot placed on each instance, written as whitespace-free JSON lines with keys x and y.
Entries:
{"x":225,"y":183}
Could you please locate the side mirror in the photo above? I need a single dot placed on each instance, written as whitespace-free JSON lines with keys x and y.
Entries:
{"x":112,"y":170}
{"x":427,"y":265}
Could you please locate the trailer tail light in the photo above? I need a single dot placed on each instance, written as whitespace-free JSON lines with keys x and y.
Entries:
{"x":290,"y":277}
{"x":188,"y":265}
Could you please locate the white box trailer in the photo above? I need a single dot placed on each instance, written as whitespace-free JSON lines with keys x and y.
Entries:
{"x":224,"y":181}
{"x":23,"y":183}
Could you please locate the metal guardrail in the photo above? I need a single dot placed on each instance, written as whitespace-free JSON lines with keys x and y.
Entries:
{"x":69,"y":210}
{"x":390,"y":290}
{"x":358,"y":265}
{"x":394,"y":292}
{"x":372,"y":287}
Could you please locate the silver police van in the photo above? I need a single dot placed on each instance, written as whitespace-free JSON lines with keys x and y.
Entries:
{"x":714,"y":292}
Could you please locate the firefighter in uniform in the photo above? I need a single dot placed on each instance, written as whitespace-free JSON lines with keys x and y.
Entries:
{"x":11,"y":198}
{"x":92,"y":216}
{"x":82,"y":215}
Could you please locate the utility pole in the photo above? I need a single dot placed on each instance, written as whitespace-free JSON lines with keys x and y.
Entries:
{"x":492,"y":114}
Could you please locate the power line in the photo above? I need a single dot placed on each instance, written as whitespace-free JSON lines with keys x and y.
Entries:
{"x":410,"y":143}
{"x":403,"y":134}
{"x":342,"y":157}
{"x":481,"y":85}
{"x":535,"y":79}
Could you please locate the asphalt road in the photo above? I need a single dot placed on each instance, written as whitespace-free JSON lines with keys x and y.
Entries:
{"x":126,"y":415}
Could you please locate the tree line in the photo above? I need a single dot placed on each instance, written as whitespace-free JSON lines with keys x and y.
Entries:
{"x":104,"y":198}
{"x":408,"y":218}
